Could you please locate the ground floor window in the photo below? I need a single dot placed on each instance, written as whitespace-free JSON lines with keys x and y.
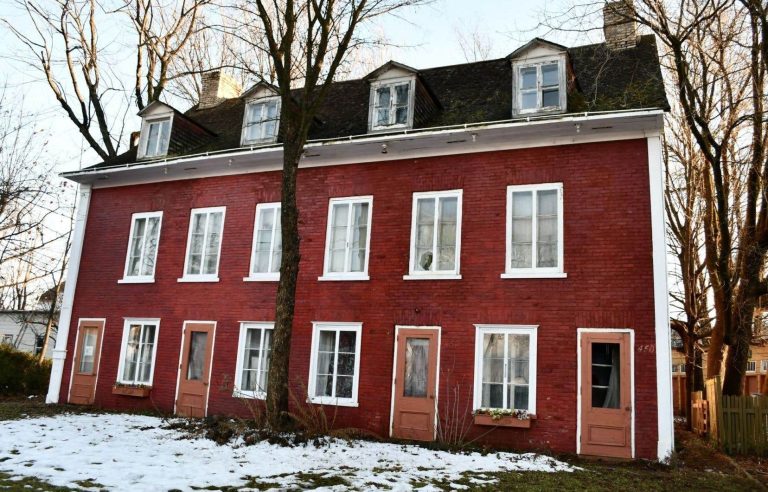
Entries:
{"x":253,"y":354}
{"x":138,"y":350}
{"x":335,"y":363}
{"x":505,"y":367}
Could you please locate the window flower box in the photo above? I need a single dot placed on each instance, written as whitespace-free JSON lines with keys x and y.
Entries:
{"x":503,"y":418}
{"x":135,"y":391}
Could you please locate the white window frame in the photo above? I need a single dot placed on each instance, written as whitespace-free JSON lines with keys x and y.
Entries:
{"x":318,"y":326}
{"x":347,"y":275}
{"x":372,"y":127}
{"x":534,"y":271}
{"x":264,"y":276}
{"x":138,"y":279}
{"x":413,"y":273}
{"x":764,"y":365}
{"x":261,"y":140}
{"x":483,"y":329}
{"x":141,"y":152}
{"x":7,"y":339}
{"x":244,"y":327}
{"x":124,"y":345}
{"x":751,"y":366}
{"x":203,"y":277}
{"x":517,"y":68}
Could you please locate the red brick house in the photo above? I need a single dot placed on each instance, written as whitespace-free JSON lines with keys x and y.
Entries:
{"x":481,"y":237}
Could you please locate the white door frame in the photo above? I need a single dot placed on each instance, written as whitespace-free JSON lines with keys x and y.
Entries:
{"x":210,"y":364}
{"x":394,"y":373}
{"x":631,"y":332}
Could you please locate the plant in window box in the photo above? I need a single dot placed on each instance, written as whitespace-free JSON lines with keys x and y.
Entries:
{"x":137,"y":390}
{"x":503,"y":417}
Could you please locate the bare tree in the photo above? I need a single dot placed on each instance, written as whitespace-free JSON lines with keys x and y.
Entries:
{"x":79,"y":68}
{"x":306,"y":43}
{"x":474,"y":42}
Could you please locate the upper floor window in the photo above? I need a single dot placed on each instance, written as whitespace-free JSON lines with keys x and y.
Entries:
{"x":534,"y":231}
{"x":155,"y":136}
{"x":392,"y":104}
{"x":435,"y":235}
{"x":204,"y":245}
{"x":142,"y":247}
{"x":347,"y":238}
{"x":751,"y":366}
{"x":267,"y":243}
{"x":262,"y":120}
{"x":540,"y":86}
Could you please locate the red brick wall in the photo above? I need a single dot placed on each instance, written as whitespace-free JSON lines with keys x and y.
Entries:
{"x":607,"y":259}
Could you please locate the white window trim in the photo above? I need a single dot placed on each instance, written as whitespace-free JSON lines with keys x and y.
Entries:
{"x":244,"y":131}
{"x":244,"y":327}
{"x":263,"y":276}
{"x":317,"y":326}
{"x":327,"y":275}
{"x":141,"y":279}
{"x":753,"y":364}
{"x":764,"y":365}
{"x":141,"y":152}
{"x":517,"y":66}
{"x":372,"y":103}
{"x":124,"y":345}
{"x":535,"y":272}
{"x":454,"y":274}
{"x":531,"y":331}
{"x":203,"y":277}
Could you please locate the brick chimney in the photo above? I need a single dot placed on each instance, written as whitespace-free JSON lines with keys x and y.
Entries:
{"x":217,"y":86}
{"x":618,"y":26}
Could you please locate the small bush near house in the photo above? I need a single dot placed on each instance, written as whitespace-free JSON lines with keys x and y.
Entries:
{"x":21,"y":373}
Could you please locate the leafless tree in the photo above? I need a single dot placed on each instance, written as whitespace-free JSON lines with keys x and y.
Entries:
{"x":474,"y":42}
{"x":306,"y":44}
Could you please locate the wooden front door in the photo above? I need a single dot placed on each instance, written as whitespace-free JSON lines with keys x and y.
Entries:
{"x":415,"y":383}
{"x":85,"y":366}
{"x":606,"y":394}
{"x":195,"y":369}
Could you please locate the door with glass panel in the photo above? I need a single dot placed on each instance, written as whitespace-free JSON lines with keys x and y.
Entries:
{"x":415,"y":383}
{"x":606,"y":394}
{"x":195,"y":369}
{"x":85,"y":367}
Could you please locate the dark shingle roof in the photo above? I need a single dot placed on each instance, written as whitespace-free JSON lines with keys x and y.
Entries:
{"x":606,"y":80}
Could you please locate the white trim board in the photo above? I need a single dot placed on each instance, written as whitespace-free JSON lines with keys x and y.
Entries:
{"x":65,"y":317}
{"x":631,"y":332}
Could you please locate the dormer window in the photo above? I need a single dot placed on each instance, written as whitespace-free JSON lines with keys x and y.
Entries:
{"x":262,"y":120}
{"x":392,"y":104}
{"x":539,"y":86}
{"x":155,"y":137}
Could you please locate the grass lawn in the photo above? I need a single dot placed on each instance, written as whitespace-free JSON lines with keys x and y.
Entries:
{"x":696,"y":466}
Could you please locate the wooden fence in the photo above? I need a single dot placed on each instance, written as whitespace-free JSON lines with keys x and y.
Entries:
{"x":738,"y":423}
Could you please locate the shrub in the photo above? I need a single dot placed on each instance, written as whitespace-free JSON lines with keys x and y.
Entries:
{"x":21,"y":373}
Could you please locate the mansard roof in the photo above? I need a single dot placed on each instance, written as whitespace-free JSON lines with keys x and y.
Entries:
{"x":479,"y":92}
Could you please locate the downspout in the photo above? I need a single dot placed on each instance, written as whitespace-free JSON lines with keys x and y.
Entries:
{"x":65,"y":317}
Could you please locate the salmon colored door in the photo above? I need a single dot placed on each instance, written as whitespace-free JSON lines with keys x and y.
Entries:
{"x":195,"y":369}
{"x":85,"y":367}
{"x":415,"y":383}
{"x":606,"y":394}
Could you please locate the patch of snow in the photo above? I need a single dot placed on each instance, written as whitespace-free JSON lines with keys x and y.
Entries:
{"x":133,"y":452}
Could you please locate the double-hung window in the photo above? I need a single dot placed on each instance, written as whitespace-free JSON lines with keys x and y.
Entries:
{"x":253,"y":360}
{"x":156,"y":136}
{"x":267,"y":243}
{"x":392,"y":104}
{"x":204,"y":245}
{"x":138,"y":350}
{"x":505,"y":367}
{"x":534,"y":231}
{"x":334,"y":370}
{"x":435,"y":235}
{"x":262,"y":121}
{"x":142,"y":247}
{"x":540,"y":87}
{"x":751,"y":366}
{"x":347,"y":238}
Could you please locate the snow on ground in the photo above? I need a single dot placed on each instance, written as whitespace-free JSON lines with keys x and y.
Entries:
{"x":132,"y":452}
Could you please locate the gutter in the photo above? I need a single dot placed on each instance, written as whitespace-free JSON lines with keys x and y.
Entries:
{"x":375,"y":138}
{"x":65,"y":318}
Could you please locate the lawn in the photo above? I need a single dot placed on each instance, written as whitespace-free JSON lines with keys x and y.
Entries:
{"x":61,"y":448}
